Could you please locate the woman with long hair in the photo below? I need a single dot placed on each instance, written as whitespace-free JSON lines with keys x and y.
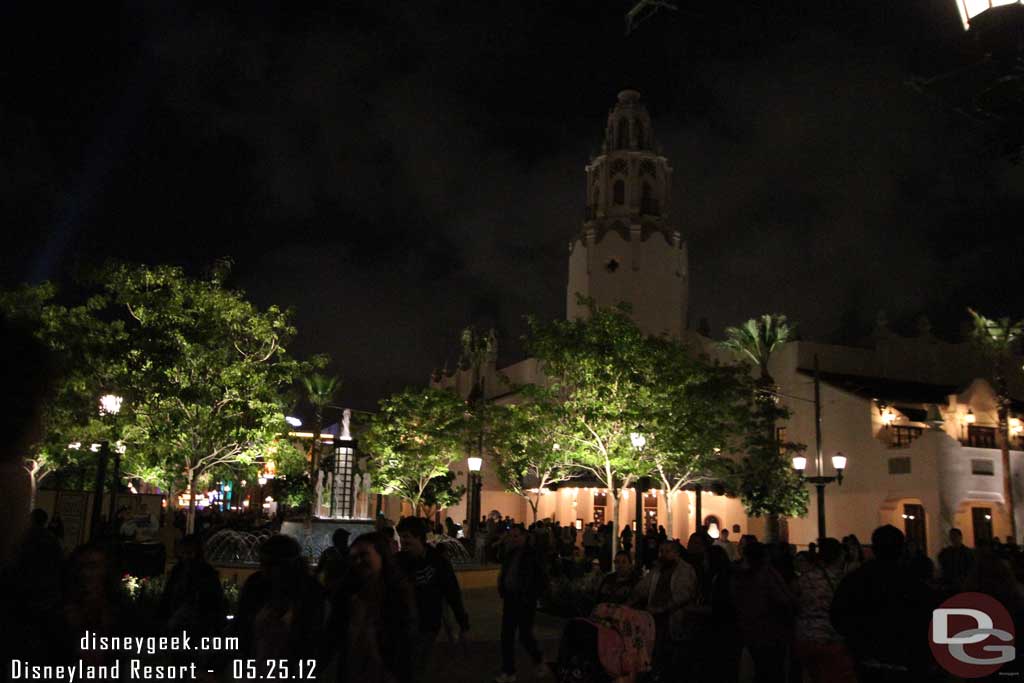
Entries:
{"x":373,"y":618}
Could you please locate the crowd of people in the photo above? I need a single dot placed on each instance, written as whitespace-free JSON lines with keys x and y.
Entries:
{"x":374,"y":608}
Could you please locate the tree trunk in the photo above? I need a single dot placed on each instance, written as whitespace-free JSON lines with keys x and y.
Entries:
{"x":1004,"y":447}
{"x":771,"y":528}
{"x":190,"y":522}
{"x":34,"y":484}
{"x":534,"y":504}
{"x":314,"y":470}
{"x":615,"y":520}
{"x":670,"y":528}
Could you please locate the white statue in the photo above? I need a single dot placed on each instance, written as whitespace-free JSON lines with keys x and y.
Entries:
{"x":346,"y":416}
{"x":355,"y":493}
{"x":319,"y":491}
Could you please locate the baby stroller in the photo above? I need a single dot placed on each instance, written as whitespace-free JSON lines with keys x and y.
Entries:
{"x":613,"y":645}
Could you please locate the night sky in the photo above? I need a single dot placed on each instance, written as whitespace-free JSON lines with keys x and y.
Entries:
{"x":397,"y":170}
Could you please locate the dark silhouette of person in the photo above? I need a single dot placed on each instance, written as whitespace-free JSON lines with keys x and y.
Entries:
{"x":434,"y":583}
{"x":192,"y":599}
{"x":281,"y":607}
{"x":521,"y":582}
{"x":33,"y":588}
{"x":764,"y":612}
{"x":665,"y":592}
{"x":617,"y":587}
{"x":881,"y":609}
{"x":955,"y":562}
{"x":373,"y":618}
{"x":333,"y":566}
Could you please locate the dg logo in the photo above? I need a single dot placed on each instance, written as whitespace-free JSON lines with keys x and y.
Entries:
{"x":972,"y":635}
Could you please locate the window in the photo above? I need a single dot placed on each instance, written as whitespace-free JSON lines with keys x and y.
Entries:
{"x":914,"y":526}
{"x":651,"y":510}
{"x":981,"y":437}
{"x":619,"y":192}
{"x":611,"y":266}
{"x":981,"y":521}
{"x":600,"y":503}
{"x":902,"y":436}
{"x":983,"y":467}
{"x":899,"y":465}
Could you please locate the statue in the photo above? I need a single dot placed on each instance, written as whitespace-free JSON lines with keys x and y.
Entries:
{"x":319,"y":492}
{"x":346,"y":416}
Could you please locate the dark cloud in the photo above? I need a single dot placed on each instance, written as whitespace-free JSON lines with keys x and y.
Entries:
{"x":395,"y":171}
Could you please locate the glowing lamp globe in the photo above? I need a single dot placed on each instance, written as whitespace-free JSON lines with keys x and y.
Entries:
{"x":110,"y":404}
{"x":475,"y":463}
{"x":799,"y":463}
{"x":839,"y":461}
{"x":638,"y":440}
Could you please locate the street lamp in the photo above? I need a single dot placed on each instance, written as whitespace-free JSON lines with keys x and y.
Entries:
{"x":293,"y":421}
{"x":109,"y":404}
{"x":639,"y":441}
{"x":820,"y":481}
{"x":475,"y":463}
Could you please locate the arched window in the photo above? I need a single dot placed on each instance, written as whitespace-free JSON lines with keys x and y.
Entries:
{"x":622,"y":134}
{"x":619,"y":192}
{"x":648,"y":205}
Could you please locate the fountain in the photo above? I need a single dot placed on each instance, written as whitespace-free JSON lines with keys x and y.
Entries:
{"x":230,"y":547}
{"x":348,"y":498}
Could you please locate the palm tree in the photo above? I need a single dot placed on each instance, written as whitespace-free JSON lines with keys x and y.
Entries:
{"x":320,"y":391}
{"x":997,"y":340}
{"x":755,"y":340}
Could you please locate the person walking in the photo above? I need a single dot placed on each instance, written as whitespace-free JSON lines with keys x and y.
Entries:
{"x":434,"y":583}
{"x":617,"y":587}
{"x":764,"y":613}
{"x":955,"y":562}
{"x":521,"y":582}
{"x":728,"y":546}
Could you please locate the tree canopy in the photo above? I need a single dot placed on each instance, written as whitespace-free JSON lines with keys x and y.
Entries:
{"x":414,"y":438}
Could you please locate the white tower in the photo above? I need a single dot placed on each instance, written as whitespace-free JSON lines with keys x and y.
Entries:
{"x":627,"y":250}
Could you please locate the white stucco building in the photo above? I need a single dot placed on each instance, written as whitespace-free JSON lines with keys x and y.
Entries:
{"x":912,"y":415}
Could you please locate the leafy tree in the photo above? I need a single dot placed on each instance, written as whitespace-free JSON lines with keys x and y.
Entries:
{"x":599,"y":388}
{"x":320,"y":391}
{"x":699,"y":409}
{"x":998,"y":341}
{"x":523,"y":440}
{"x":414,"y":438}
{"x":82,"y":348}
{"x":441,"y":492}
{"x":766,"y":481}
{"x":207,"y":371}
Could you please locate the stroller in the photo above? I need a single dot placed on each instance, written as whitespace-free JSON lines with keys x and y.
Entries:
{"x":613,"y":645}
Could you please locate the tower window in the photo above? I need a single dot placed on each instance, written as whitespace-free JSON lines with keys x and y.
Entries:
{"x":611,"y":266}
{"x":619,"y":192}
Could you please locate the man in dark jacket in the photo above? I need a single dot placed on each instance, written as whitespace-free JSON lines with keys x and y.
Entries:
{"x":883,"y":610}
{"x":521,"y":583}
{"x":435,"y":584}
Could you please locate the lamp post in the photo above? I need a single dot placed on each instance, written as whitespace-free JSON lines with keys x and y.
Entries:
{"x":109,"y":404}
{"x":639,"y":441}
{"x":820,"y":481}
{"x":475,"y":464}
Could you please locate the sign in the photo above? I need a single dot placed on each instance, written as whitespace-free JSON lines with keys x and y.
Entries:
{"x":972,"y":635}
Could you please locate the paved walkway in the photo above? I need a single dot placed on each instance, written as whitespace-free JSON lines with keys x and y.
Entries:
{"x":480,"y":660}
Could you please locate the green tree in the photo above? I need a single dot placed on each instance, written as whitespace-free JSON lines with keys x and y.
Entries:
{"x":523,"y":439}
{"x":765,"y":479}
{"x":320,"y":391}
{"x":699,"y":410}
{"x":82,"y":347}
{"x":998,"y":341}
{"x":599,"y":384}
{"x":207,"y":372}
{"x":415,"y":437}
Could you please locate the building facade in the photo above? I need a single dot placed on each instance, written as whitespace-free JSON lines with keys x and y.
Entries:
{"x":913,"y":416}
